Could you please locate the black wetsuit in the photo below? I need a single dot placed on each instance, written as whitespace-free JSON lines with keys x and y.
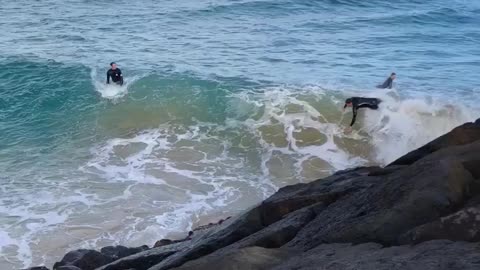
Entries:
{"x":361,"y":102}
{"x":116,"y":76}
{"x":387,"y":84}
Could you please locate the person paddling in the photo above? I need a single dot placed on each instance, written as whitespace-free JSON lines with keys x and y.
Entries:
{"x":358,"y":103}
{"x":115,"y":73}
{"x":388,"y":82}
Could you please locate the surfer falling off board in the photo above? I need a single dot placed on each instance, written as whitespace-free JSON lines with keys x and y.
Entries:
{"x":363,"y":102}
{"x":358,"y":103}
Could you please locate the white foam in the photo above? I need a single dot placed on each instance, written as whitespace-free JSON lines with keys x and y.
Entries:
{"x":112,"y":91}
{"x":179,"y":214}
{"x":274,"y":102}
{"x":400,"y":126}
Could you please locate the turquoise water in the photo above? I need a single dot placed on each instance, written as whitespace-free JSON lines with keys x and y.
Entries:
{"x":225,"y":102}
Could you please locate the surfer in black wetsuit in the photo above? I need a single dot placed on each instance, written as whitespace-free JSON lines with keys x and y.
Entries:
{"x":388,"y":82}
{"x":360,"y":102}
{"x":114,"y":73}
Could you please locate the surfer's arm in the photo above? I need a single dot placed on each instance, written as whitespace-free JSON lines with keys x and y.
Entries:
{"x":354,"y":117}
{"x":121,"y":77}
{"x":387,"y":84}
{"x":390,"y":83}
{"x":108,"y":77}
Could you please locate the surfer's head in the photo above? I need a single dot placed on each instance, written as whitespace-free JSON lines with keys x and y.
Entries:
{"x":113,"y":65}
{"x":393,"y":76}
{"x":348,"y":103}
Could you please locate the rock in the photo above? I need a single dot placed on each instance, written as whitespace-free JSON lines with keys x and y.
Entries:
{"x":327,"y":191}
{"x":273,"y":236}
{"x":216,"y":238}
{"x":37,"y":268}
{"x":270,"y":237}
{"x":279,"y":233}
{"x":358,"y":171}
{"x":464,"y":225}
{"x":385,"y":171}
{"x":146,"y":259}
{"x":465,"y":134}
{"x":69,"y":267}
{"x":163,"y":242}
{"x":140,"y":261}
{"x":117,"y":252}
{"x":250,"y":258}
{"x":84,"y":259}
{"x":392,"y":205}
{"x":210,"y":225}
{"x":433,"y":255}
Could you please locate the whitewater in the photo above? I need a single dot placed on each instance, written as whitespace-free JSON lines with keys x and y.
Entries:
{"x":224,"y":102}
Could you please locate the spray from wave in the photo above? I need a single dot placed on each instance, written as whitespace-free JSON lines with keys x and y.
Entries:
{"x":111,"y":91}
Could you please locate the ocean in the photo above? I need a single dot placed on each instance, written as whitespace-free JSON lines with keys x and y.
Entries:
{"x":225,"y":102}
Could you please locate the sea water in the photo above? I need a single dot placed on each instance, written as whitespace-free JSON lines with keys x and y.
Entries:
{"x":225,"y":102}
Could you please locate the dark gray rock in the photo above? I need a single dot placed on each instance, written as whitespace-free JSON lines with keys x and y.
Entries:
{"x":391,"y":206}
{"x":218,"y":237}
{"x":464,"y":134}
{"x":249,"y":258}
{"x":280,"y":232}
{"x":433,"y":255}
{"x":145,"y":259}
{"x":117,"y":252}
{"x":69,"y":267}
{"x":325,"y":191}
{"x":163,"y":242}
{"x":273,"y":236}
{"x":84,"y":259}
{"x":386,"y":170}
{"x":464,"y":225}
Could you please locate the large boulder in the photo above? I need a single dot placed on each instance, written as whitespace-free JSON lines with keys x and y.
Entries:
{"x":84,"y":259}
{"x":117,"y":252}
{"x":392,"y":205}
{"x":273,"y":236}
{"x":218,"y":237}
{"x":433,"y":255}
{"x":142,"y":260}
{"x":280,"y":232}
{"x":325,"y":191}
{"x":464,"y":134}
{"x":146,"y":259}
{"x":463,"y":225}
{"x":69,"y":267}
{"x":249,"y":258}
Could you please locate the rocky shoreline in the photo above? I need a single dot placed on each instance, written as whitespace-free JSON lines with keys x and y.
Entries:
{"x":420,"y":212}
